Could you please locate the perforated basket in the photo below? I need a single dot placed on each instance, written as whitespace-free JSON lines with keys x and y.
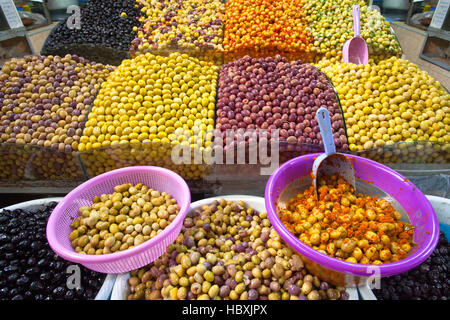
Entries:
{"x":58,"y":227}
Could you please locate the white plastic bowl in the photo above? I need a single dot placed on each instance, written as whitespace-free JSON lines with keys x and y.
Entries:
{"x":105,"y":291}
{"x":441,"y":207}
{"x":121,"y":290}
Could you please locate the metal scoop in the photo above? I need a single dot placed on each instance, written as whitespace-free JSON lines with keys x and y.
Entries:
{"x":355,"y":50}
{"x":330,"y":162}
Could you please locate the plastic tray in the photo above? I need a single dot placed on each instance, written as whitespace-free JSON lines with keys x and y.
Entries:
{"x":120,"y":290}
{"x":105,"y":291}
{"x":441,"y":207}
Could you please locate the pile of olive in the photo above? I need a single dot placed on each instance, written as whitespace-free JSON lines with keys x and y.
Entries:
{"x":229,"y":251}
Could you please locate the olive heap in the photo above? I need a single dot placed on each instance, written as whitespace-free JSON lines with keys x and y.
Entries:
{"x":13,"y":162}
{"x":331,"y":24}
{"x":44,"y":102}
{"x":229,"y":251}
{"x":45,"y":99}
{"x":274,"y":94}
{"x":104,"y":23}
{"x":126,"y":218}
{"x":390,"y":102}
{"x":148,"y":105}
{"x":262,"y":28}
{"x":29,"y":269}
{"x":429,"y":281}
{"x":190,"y":26}
{"x":355,"y":228}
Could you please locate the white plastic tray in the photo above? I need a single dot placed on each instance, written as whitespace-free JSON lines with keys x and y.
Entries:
{"x":441,"y":207}
{"x":106,"y":289}
{"x":121,"y":291}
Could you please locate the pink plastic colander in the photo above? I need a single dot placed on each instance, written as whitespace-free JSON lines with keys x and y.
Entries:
{"x":163,"y":180}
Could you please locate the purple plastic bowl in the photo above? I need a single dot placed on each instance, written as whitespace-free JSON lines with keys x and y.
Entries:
{"x":58,"y":226}
{"x":414,"y":202}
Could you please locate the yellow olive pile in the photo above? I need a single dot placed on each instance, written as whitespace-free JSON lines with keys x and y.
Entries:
{"x":331,"y":24}
{"x":390,"y":102}
{"x":126,"y":218}
{"x":98,"y":161}
{"x":152,"y":99}
{"x":162,"y":100}
{"x":192,"y":26}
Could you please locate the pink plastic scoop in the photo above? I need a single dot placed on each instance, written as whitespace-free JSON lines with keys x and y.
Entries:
{"x":355,"y":50}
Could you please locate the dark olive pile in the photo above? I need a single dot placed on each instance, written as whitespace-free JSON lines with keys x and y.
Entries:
{"x":274,"y":94}
{"x":429,"y":281}
{"x":29,"y":269}
{"x":102,"y":23}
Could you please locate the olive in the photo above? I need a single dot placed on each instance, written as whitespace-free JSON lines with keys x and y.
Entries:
{"x":213,"y":269}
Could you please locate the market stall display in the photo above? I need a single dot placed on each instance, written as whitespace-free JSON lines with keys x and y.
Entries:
{"x":230,"y":250}
{"x":194,"y":26}
{"x":391,"y":102}
{"x":188,"y":73}
{"x":262,"y":28}
{"x":104,"y":33}
{"x":30,"y":270}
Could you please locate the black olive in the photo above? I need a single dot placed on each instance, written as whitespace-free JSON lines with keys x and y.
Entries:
{"x":31,"y":261}
{"x":13,"y":292}
{"x":17,"y":297}
{"x":4,"y":292}
{"x":45,"y":276}
{"x":37,"y":286}
{"x":59,"y":291}
{"x":15,"y":262}
{"x":69,"y":295}
{"x":10,"y":269}
{"x":23,"y":244}
{"x":59,"y":266}
{"x":8,"y":247}
{"x":88,"y":293}
{"x":43,"y":262}
{"x":22,"y":280}
{"x":36,"y":245}
{"x":29,"y":269}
